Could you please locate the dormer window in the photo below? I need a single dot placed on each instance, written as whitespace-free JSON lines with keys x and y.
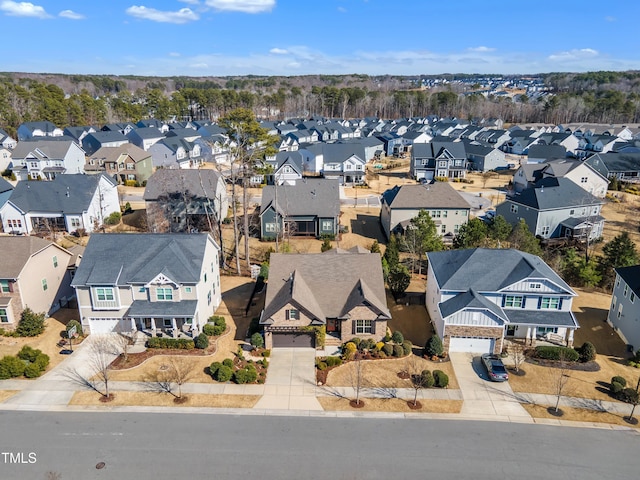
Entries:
{"x":164,"y":294}
{"x":293,"y":314}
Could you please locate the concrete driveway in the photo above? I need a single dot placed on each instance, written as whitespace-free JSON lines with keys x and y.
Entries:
{"x":291,"y":381}
{"x":483,"y":398}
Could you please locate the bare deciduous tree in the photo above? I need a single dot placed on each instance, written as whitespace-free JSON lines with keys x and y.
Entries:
{"x":103,"y":351}
{"x":516,"y":352}
{"x":560,"y":380}
{"x":356,"y":376}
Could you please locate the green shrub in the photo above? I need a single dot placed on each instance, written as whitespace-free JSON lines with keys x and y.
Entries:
{"x":246,"y":375}
{"x":31,"y":324}
{"x":356,"y":341}
{"x":113,"y":219}
{"x":218,"y":320}
{"x":32,"y":371}
{"x":349,"y":350}
{"x":11,"y":367}
{"x":398,"y":351}
{"x":621,"y":380}
{"x":616,"y":388}
{"x":387,"y":349}
{"x":223,"y":374}
{"x":407,"y":347}
{"x":227,"y":362}
{"x":367,"y":344}
{"x":333,"y":361}
{"x":441,"y":379}
{"x":131,"y":183}
{"x":555,"y":353}
{"x":266,"y":353}
{"x":42,"y":361}
{"x":208,"y":329}
{"x":587,"y":352}
{"x":166,"y":342}
{"x":257,"y":340}
{"x":74,"y":323}
{"x":628,"y":395}
{"x":434,"y":346}
{"x":397,"y":337}
{"x":28,"y":354}
{"x":201,"y":342}
{"x":321,"y":366}
{"x":427,"y":379}
{"x":213,"y":368}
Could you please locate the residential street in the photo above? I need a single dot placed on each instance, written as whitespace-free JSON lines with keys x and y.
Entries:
{"x":143,"y":446}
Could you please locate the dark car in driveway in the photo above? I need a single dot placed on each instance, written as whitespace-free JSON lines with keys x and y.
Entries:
{"x":495,"y":368}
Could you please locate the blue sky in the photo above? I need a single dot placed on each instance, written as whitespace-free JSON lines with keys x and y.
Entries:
{"x":296,"y":37}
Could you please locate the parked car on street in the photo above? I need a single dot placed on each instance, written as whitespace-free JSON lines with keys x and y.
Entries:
{"x":495,"y":368}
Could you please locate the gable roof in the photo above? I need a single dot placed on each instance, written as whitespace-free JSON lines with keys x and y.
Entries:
{"x":551,"y":193}
{"x":5,"y":186}
{"x":326,"y":286}
{"x":489,"y":270}
{"x":52,"y":196}
{"x":53,"y":149}
{"x":470,"y":299}
{"x":319,"y":197}
{"x":435,"y":149}
{"x":631,"y":276}
{"x":201,"y":183}
{"x":16,"y":251}
{"x":435,"y":195}
{"x":138,"y":258}
{"x":112,"y":154}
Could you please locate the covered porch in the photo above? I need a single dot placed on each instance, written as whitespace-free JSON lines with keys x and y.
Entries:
{"x":582,"y":228}
{"x":532,"y":327}
{"x":157,"y":319}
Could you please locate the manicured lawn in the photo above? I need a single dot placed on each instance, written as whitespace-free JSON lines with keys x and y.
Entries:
{"x":391,"y":405}
{"x":166,"y":400}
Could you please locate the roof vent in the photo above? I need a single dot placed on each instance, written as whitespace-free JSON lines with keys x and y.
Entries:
{"x":67,"y":194}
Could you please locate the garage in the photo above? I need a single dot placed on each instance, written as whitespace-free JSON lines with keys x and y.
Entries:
{"x":107,"y":325}
{"x":295,"y":340}
{"x":471,"y":344}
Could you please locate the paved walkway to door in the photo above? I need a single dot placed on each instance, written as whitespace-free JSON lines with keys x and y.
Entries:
{"x":483,"y":398}
{"x":291,"y":381}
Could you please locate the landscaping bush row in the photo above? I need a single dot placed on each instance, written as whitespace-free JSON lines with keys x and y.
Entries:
{"x":226,"y":371}
{"x":165,"y":342}
{"x":393,"y":346}
{"x":215,"y":326}
{"x":437,"y":379}
{"x":618,"y":389}
{"x":557,"y":353}
{"x":326,"y":362}
{"x":28,"y":362}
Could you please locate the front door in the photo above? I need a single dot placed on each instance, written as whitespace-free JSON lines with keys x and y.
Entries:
{"x":333,"y":325}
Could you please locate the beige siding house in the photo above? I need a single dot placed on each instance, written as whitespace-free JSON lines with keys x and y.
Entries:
{"x":340,"y":290}
{"x":34,"y":273}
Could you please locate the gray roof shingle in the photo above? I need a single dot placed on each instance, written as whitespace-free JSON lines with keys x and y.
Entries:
{"x":435,"y":195}
{"x":319,"y":197}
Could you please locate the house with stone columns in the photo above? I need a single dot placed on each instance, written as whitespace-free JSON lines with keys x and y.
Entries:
{"x":478,"y":297}
{"x":341,"y":291}
{"x":160,"y":284}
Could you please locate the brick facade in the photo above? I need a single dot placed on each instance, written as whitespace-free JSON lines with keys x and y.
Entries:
{"x":469,"y":331}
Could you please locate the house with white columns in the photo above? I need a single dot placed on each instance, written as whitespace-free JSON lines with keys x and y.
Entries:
{"x":159,"y":284}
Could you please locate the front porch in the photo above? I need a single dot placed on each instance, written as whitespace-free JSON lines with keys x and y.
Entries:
{"x":164,"y":326}
{"x":173,"y":319}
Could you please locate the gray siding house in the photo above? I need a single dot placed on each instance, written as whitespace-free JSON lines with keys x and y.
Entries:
{"x":311,"y":207}
{"x":438,"y":159}
{"x":555,"y":208}
{"x":624,"y":312}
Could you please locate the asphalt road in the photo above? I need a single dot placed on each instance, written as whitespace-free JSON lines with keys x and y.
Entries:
{"x":199,"y":446}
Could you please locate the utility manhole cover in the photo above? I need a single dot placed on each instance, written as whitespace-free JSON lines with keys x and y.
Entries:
{"x":100,"y":465}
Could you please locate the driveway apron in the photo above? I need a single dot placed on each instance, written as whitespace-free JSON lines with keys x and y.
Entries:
{"x":291,"y":381}
{"x":483,"y":398}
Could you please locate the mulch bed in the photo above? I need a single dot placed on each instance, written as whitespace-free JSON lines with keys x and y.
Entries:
{"x":583,"y":367}
{"x":519,"y":373}
{"x":412,"y":406}
{"x":135,"y":359}
{"x":437,"y":359}
{"x":108,"y":399}
{"x":552,"y":411}
{"x":404,"y":375}
{"x":180,"y":400}
{"x":355,"y":404}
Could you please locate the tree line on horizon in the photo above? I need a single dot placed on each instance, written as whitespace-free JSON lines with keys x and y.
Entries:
{"x":596,"y":97}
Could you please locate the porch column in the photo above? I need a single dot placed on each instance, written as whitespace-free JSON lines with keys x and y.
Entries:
{"x":527,"y":339}
{"x":153,"y":327}
{"x":534,"y":336}
{"x":133,"y":325}
{"x":174,"y":324}
{"x":570,"y":339}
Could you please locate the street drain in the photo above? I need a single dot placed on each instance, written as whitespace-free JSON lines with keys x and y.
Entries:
{"x":100,"y":465}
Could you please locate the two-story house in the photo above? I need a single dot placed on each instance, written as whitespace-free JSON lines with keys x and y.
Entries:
{"x":145,"y":137}
{"x":342,"y":291}
{"x":97,"y":140}
{"x":438,"y":159}
{"x":185,"y":200}
{"x":176,"y":152}
{"x":287,"y":168}
{"x":46,"y":159}
{"x":477,"y":297}
{"x":155,"y":283}
{"x":67,"y":203}
{"x":45,"y":128}
{"x":7,"y":141}
{"x":555,"y":208}
{"x":34,"y":273}
{"x":126,"y":162}
{"x":444,"y":204}
{"x":624,"y":312}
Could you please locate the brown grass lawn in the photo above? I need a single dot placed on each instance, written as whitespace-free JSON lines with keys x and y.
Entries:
{"x":165,"y":400}
{"x":384,"y":373}
{"x":391,"y":405}
{"x":576,"y":415}
{"x":235,"y":295}
{"x":45,"y":342}
{"x":5,"y":394}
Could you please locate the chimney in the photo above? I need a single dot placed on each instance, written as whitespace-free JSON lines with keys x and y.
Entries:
{"x":67,"y":194}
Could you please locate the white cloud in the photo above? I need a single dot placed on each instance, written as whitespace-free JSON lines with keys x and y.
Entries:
{"x":199,"y":66}
{"x":184,"y":15}
{"x":190,"y":2}
{"x":610,"y":19}
{"x":23,"y":9}
{"x":278,"y":51}
{"x":481,"y":49}
{"x":574,"y":55}
{"x":342,"y":10}
{"x":174,"y":54}
{"x":70,"y":14}
{"x":246,"y":6}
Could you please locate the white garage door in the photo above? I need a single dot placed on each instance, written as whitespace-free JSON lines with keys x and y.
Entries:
{"x":107,"y":325}
{"x":471,"y":344}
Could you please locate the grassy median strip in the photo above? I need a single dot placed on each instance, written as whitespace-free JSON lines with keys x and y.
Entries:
{"x":152,"y":399}
{"x":392,"y":405}
{"x":573,"y":414}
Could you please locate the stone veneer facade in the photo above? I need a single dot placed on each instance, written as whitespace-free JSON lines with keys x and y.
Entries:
{"x":496,"y":333}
